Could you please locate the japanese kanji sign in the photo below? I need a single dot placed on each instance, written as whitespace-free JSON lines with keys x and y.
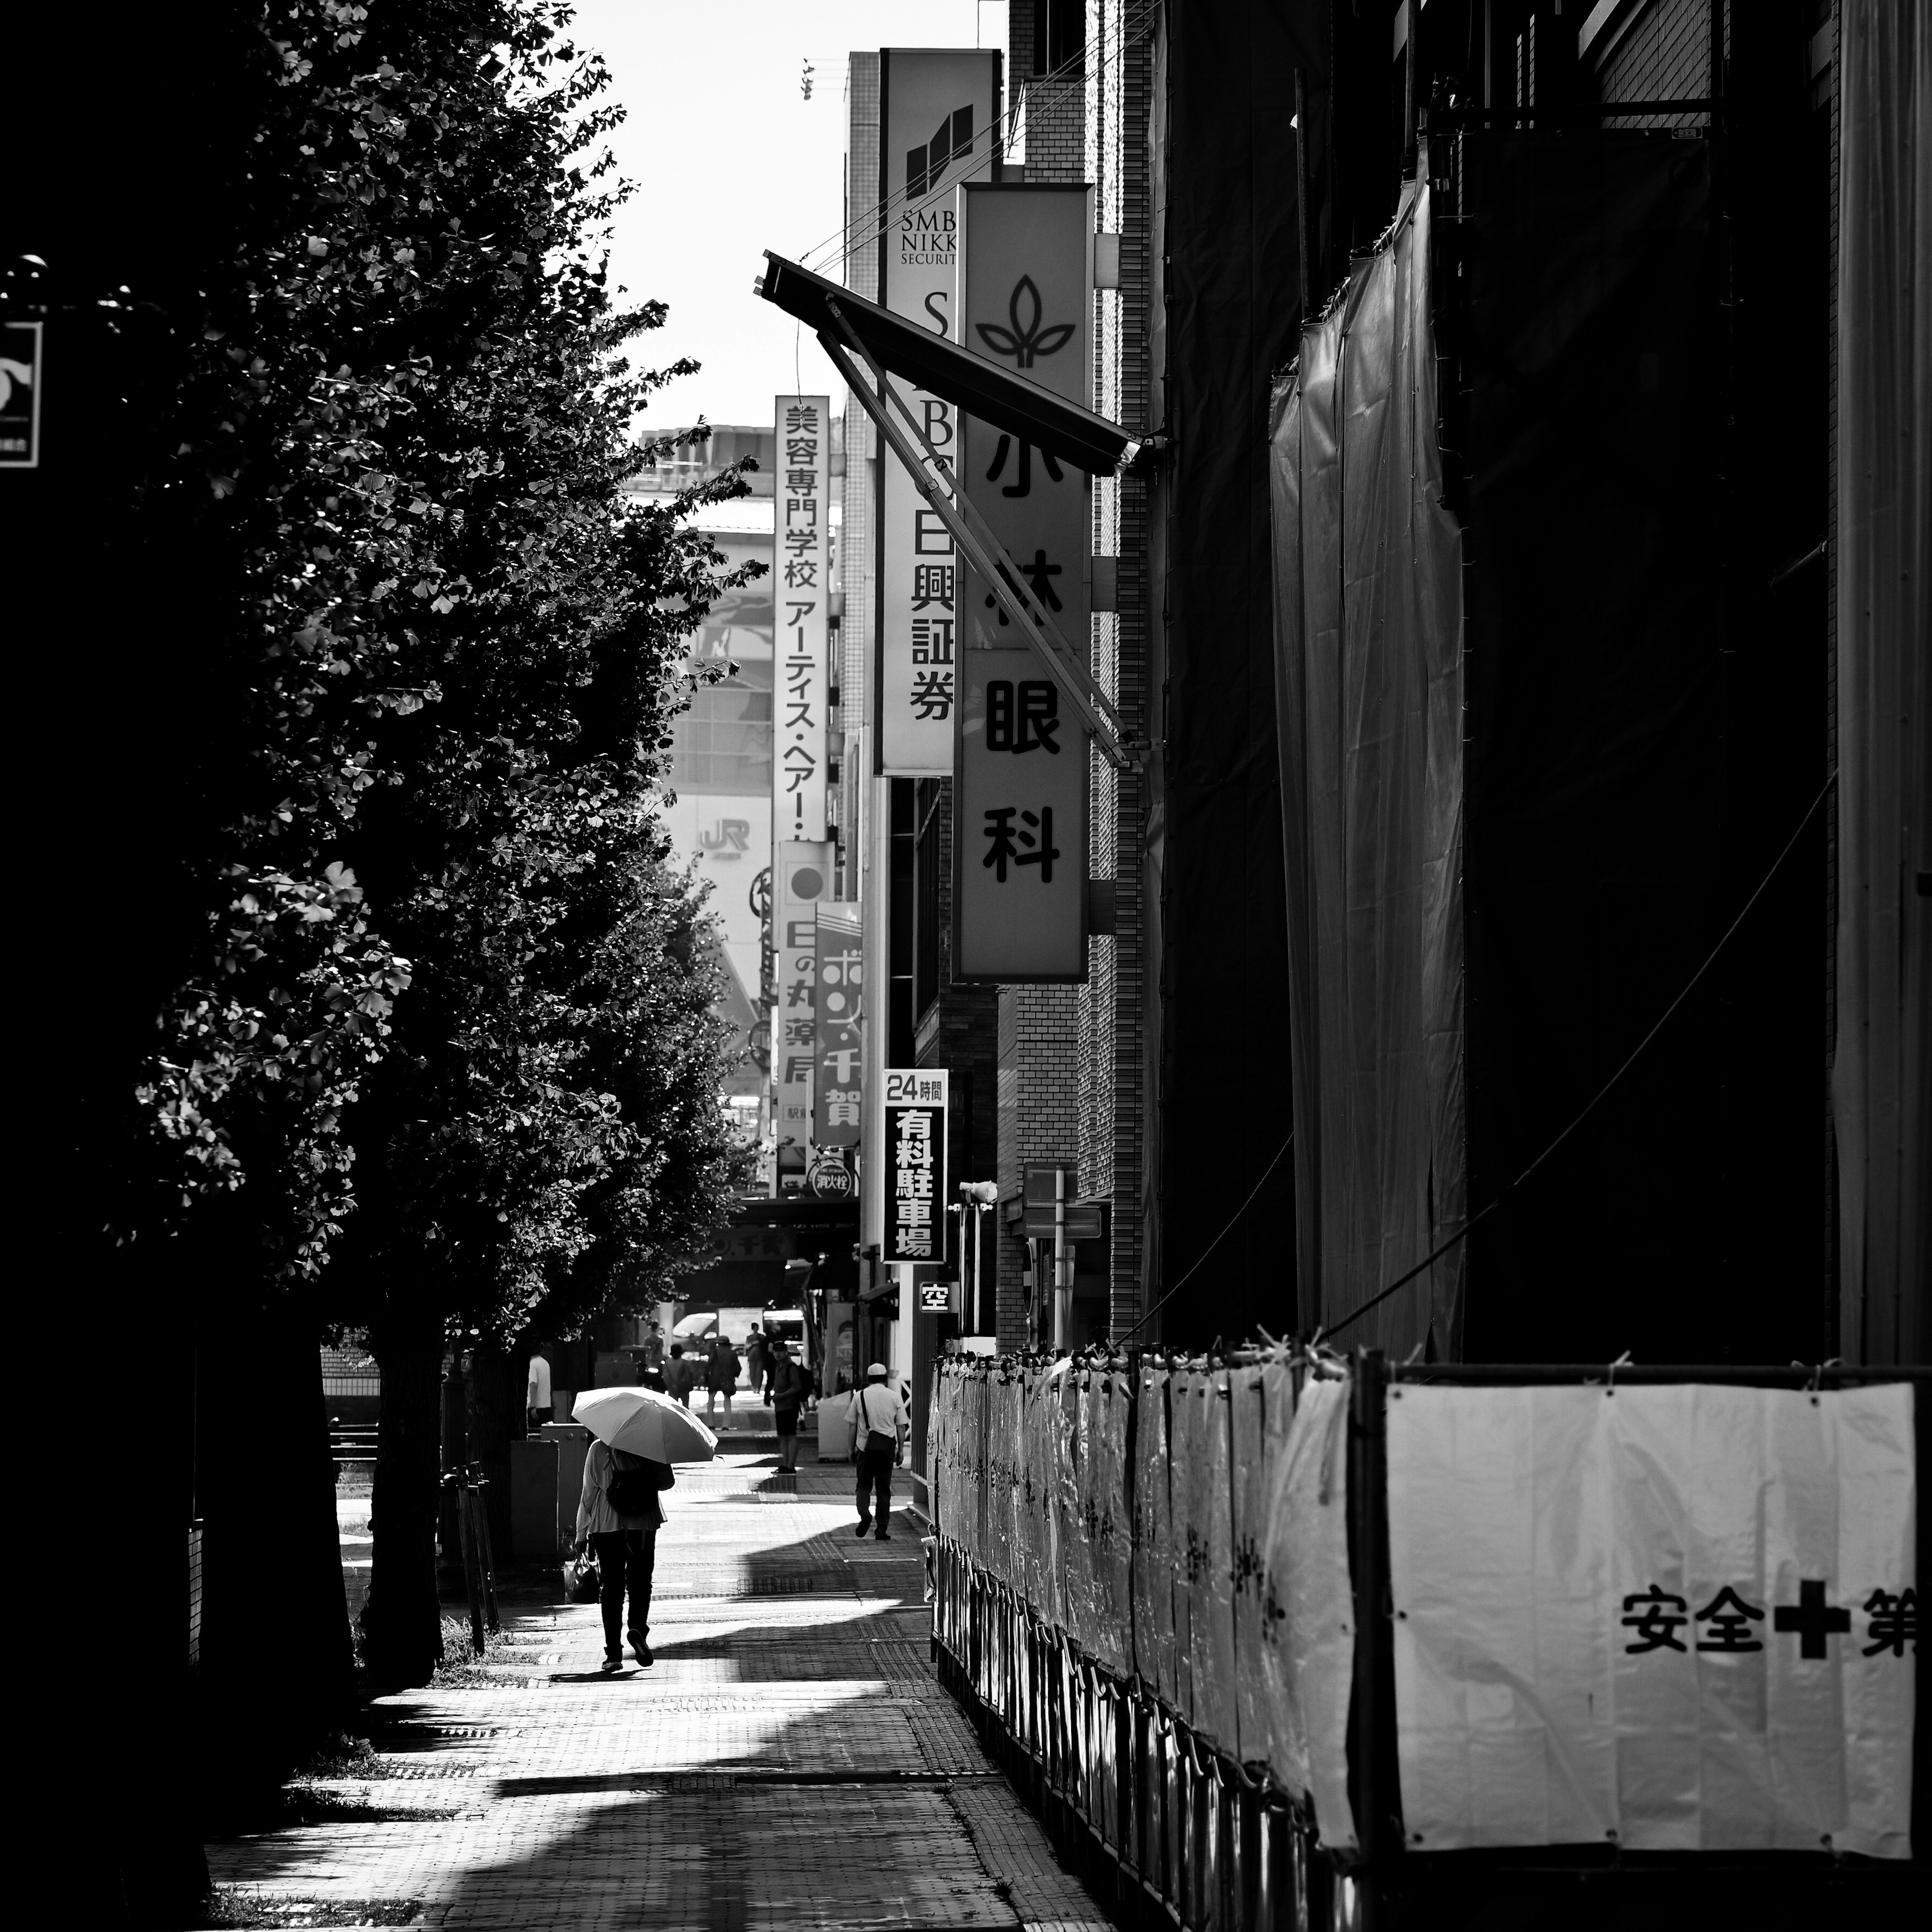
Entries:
{"x":915,"y":1223}
{"x":939,"y":116}
{"x":802,"y":877}
{"x":1675,"y":1618}
{"x":1020,"y":818}
{"x":836,"y":1113}
{"x":801,"y":584}
{"x":21,"y":355}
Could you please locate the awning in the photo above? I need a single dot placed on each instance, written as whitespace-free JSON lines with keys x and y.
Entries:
{"x":941,"y":368}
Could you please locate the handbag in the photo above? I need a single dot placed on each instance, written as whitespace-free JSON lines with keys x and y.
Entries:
{"x":583,"y":1581}
{"x":878,"y":1442}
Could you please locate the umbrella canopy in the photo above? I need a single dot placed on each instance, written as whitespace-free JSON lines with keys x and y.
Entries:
{"x":696,"y":1325}
{"x":644,"y":1423}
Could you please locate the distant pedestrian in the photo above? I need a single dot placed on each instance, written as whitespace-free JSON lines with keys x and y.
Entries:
{"x":757,"y":1361}
{"x":680,"y":1374}
{"x":880,"y":1424}
{"x":720,"y":1376}
{"x":654,"y":1350}
{"x":787,"y":1392}
{"x":537,"y":1407}
{"x":618,"y":1515}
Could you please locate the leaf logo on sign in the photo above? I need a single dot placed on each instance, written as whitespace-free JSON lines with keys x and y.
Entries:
{"x":1026,"y":339}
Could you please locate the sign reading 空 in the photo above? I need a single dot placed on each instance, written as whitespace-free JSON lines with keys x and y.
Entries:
{"x":939,"y":121}
{"x":802,"y":564}
{"x":1019,"y":869}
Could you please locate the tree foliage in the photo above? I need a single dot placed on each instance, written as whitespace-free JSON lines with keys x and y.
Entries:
{"x":452,"y":979}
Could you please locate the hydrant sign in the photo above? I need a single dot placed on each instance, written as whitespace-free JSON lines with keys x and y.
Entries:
{"x":1672,"y":1618}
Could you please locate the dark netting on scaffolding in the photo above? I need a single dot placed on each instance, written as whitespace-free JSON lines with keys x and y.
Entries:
{"x":1369,"y":696}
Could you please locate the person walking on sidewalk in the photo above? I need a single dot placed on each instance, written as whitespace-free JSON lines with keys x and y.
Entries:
{"x":619,"y":1515}
{"x":787,"y":1392}
{"x":879,"y":1421}
{"x":536,"y":1390}
{"x":757,"y":1361}
{"x":680,"y":1376}
{"x":720,"y":1376}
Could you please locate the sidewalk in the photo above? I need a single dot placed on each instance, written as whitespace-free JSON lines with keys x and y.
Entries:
{"x":788,"y":1762}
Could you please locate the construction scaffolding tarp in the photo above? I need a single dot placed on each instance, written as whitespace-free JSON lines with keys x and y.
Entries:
{"x":1179,"y":1523}
{"x":1368,"y":630}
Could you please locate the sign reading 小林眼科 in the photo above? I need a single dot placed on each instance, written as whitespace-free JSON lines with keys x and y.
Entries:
{"x":915,"y":1220}
{"x":1022,"y":785}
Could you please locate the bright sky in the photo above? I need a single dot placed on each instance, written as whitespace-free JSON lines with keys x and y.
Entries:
{"x":731,"y":159}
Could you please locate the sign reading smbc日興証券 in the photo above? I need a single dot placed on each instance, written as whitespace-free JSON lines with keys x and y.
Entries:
{"x":1672,"y":1618}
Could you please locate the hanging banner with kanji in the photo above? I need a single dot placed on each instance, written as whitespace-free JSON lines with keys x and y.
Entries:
{"x":836,"y":1104}
{"x":939,"y":114}
{"x":802,"y":517}
{"x":1672,"y":1618}
{"x":1021,"y":799}
{"x":915,"y":1192}
{"x":802,"y":876}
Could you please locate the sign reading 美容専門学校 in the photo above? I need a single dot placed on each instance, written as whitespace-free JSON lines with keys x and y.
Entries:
{"x":915,"y":1221}
{"x":1021,"y":772}
{"x":802,"y":877}
{"x":836,"y":1109}
{"x":802,"y":504}
{"x":939,"y":123}
{"x":1680,"y":1618}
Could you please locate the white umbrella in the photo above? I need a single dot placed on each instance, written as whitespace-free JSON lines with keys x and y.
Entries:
{"x":696,"y":1325}
{"x":644,"y":1423}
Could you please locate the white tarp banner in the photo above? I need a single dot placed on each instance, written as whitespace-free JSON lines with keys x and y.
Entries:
{"x":1680,"y":1619}
{"x":1308,"y":1662}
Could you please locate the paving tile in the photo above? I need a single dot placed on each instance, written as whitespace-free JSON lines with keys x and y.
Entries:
{"x":789,"y":1762}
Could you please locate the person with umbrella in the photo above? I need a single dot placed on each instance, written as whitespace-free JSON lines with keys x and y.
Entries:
{"x":638,"y":1435}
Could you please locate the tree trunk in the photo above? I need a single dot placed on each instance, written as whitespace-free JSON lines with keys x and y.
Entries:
{"x":403,"y":1618}
{"x":496,"y":1412}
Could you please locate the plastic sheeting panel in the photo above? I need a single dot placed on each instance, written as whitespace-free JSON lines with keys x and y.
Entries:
{"x":1111,"y":1521}
{"x":1153,"y":1537}
{"x":1671,"y":1617}
{"x":1369,"y":691}
{"x":1187,"y":1551}
{"x":1308,"y":1668}
{"x":1214,"y":1693}
{"x":1262,"y":1406}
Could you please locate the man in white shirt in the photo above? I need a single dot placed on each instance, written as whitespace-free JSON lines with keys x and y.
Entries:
{"x":537,"y":1407}
{"x":879,"y":1427}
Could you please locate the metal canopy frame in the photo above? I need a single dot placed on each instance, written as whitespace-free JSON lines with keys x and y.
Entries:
{"x":930,"y":362}
{"x":936,"y":482}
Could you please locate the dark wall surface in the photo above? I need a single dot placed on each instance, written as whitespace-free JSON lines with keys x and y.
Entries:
{"x":1228,"y":303}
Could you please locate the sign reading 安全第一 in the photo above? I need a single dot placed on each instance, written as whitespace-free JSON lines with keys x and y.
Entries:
{"x":801,"y":496}
{"x":939,"y":122}
{"x":802,"y":877}
{"x":1020,"y":817}
{"x":915,"y":1223}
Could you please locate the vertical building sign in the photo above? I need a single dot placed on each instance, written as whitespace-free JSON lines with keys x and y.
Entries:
{"x":915,"y":1222}
{"x":801,"y":877}
{"x":1020,"y":816}
{"x":801,"y":493}
{"x":840,"y":1014}
{"x":939,"y":119}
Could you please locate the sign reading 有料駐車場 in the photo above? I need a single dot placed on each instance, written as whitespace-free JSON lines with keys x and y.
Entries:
{"x":939,"y":120}
{"x":802,"y":876}
{"x":802,"y":502}
{"x":916,"y":1221}
{"x":836,"y":1108}
{"x":1019,"y":819}
{"x":1671,"y":1618}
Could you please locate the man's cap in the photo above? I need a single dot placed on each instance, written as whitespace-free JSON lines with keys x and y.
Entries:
{"x":877,"y":1369}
